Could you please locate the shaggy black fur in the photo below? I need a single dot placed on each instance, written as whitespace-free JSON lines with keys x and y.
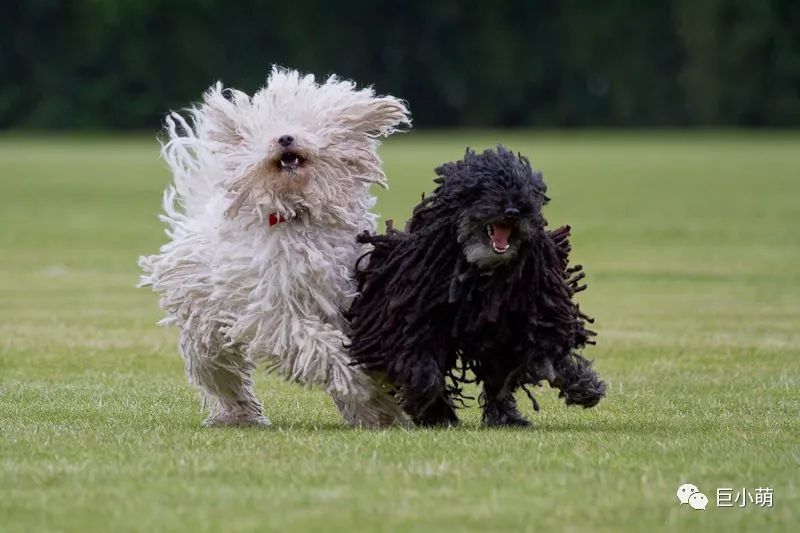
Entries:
{"x":444,"y":292}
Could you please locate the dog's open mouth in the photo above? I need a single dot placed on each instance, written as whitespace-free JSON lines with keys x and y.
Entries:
{"x":499,"y":235}
{"x":290,"y":161}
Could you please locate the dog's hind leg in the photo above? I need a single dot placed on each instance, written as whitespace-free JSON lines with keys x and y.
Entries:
{"x":499,"y":405}
{"x":322,"y":360}
{"x":364,"y":404}
{"x":431,"y":411}
{"x":226,"y":377}
{"x":425,"y":397}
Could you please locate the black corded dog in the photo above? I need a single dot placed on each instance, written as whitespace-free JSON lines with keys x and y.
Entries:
{"x":476,"y":277}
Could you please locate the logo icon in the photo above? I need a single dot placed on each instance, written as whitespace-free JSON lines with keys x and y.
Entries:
{"x":688,"y":493}
{"x":698,"y":501}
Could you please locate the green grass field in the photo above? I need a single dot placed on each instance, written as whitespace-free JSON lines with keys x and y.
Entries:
{"x":692,"y":246}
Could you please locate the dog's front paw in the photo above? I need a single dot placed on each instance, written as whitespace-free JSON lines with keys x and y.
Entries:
{"x":578,"y":382}
{"x":586,"y":393}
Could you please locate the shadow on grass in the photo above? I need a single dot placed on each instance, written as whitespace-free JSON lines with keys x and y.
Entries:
{"x":609,"y":427}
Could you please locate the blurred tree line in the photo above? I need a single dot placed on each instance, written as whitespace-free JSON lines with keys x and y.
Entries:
{"x":123,"y":63}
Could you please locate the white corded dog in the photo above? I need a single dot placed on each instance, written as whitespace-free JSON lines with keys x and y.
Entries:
{"x":269,"y":194}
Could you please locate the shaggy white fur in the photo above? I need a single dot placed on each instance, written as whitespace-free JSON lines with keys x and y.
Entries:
{"x":269,"y":193}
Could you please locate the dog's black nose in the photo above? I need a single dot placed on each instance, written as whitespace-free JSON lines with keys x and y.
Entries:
{"x":511,"y":212}
{"x":285,"y":140}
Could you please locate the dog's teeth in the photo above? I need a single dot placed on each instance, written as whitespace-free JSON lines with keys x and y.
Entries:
{"x":500,"y":250}
{"x":283,"y":163}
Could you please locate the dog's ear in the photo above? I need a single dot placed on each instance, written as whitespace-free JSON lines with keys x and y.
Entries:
{"x":378,"y":117}
{"x":220,"y":109}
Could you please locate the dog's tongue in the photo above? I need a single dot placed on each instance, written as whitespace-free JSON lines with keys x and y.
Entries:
{"x":500,"y":236}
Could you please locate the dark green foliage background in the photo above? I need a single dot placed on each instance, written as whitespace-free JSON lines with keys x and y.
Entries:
{"x":122,"y":63}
